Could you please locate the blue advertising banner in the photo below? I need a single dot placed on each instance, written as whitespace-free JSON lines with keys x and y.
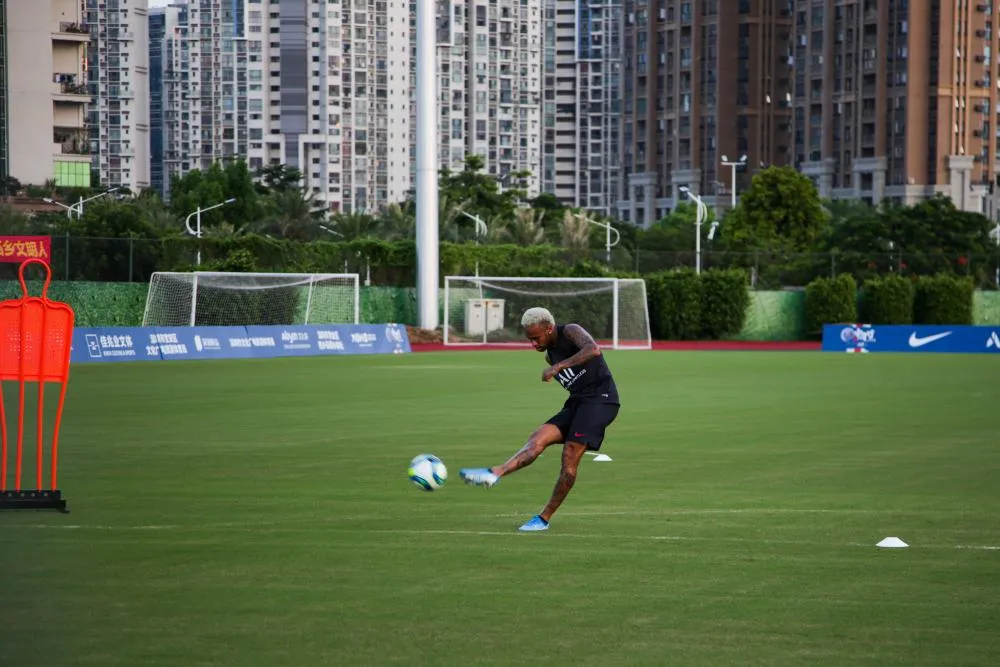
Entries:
{"x":865,"y":338}
{"x":252,"y":342}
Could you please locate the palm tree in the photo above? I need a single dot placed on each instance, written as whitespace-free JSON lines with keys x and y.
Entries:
{"x":396,"y":223}
{"x":523,"y":229}
{"x":575,"y":232}
{"x":350,"y":227}
{"x":292,"y":214}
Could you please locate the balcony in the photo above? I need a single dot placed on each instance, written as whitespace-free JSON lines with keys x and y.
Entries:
{"x":75,"y":148}
{"x":71,"y":32}
{"x":68,"y":88}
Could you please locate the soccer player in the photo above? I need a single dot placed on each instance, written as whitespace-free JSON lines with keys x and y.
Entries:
{"x":575,"y":361}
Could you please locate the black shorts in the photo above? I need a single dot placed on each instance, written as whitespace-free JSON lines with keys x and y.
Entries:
{"x":585,"y":422}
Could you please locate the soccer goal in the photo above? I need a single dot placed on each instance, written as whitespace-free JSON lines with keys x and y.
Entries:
{"x":487,"y":310}
{"x":207,"y":298}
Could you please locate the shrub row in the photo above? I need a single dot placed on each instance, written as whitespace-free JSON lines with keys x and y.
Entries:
{"x":892,"y":299}
{"x":684,"y":305}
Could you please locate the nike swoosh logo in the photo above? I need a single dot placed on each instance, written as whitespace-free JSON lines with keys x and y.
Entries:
{"x":916,"y":341}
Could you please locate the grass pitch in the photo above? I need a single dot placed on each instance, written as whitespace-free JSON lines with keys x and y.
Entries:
{"x":258,"y":513}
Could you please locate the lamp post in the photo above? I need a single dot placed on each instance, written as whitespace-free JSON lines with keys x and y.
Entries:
{"x":481,"y":228}
{"x":608,"y":245}
{"x":197,"y":216}
{"x":700,"y":217}
{"x":742,"y":162}
{"x":78,"y":206}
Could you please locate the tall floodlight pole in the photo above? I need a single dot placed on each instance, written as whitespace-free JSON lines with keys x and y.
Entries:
{"x":427,"y":176}
{"x":742,"y":162}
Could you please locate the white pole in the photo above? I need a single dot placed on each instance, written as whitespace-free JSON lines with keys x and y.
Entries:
{"x":198,"y":235}
{"x":194,"y":299}
{"x":309,"y":299}
{"x":607,"y":245}
{"x":444,"y":329}
{"x":701,"y":213}
{"x":697,"y":239}
{"x":427,"y":187}
{"x":732,"y":168}
{"x":732,"y":193}
{"x":357,"y":300}
{"x":615,"y":340}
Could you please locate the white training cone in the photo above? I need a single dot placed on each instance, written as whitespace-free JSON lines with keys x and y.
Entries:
{"x":602,"y":457}
{"x":892,"y":543}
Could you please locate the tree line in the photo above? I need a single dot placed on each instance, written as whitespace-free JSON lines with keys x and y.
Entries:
{"x":781,"y":231}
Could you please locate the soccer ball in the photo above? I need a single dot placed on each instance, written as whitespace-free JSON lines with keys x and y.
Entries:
{"x":428,"y":472}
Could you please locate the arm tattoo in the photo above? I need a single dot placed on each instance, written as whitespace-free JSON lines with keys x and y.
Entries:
{"x":588,"y":346}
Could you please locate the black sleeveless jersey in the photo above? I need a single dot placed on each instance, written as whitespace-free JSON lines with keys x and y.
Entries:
{"x":589,"y":381}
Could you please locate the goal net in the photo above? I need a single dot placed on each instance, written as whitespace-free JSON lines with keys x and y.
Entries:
{"x":206,"y":298}
{"x":487,"y":310}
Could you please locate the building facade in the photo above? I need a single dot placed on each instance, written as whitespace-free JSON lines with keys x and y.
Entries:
{"x":118,"y":71}
{"x":199,"y":87}
{"x":702,"y":80}
{"x":582,"y":110}
{"x":165,"y":41}
{"x":43,"y":92}
{"x":898,"y":100}
{"x":490,"y":87}
{"x":330,"y":93}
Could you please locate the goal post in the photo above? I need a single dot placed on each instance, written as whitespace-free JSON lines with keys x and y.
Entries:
{"x":210,"y":298}
{"x":486,"y":310}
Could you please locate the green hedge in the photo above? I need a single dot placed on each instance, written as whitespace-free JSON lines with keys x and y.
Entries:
{"x":943,"y":299}
{"x":887,"y":300}
{"x":684,"y":305}
{"x":725,"y":299}
{"x":830,"y":301}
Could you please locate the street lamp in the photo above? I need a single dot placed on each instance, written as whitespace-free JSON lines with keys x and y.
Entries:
{"x":481,"y":228}
{"x":78,"y":207}
{"x":608,"y":245}
{"x":700,"y":217}
{"x":197,"y":216}
{"x":742,"y":162}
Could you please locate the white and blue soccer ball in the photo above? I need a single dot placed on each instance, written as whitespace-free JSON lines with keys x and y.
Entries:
{"x":428,"y":472}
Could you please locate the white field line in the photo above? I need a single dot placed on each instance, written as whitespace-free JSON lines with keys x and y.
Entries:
{"x":249,"y":526}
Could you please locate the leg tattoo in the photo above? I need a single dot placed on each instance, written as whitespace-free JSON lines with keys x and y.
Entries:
{"x":572,"y":453}
{"x":544,"y":436}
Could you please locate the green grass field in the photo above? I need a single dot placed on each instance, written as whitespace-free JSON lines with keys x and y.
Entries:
{"x":258,"y":513}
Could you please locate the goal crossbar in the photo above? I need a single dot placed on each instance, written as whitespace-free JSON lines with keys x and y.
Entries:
{"x":486,"y":310}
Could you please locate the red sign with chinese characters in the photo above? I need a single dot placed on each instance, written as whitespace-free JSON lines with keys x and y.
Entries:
{"x":19,"y":248}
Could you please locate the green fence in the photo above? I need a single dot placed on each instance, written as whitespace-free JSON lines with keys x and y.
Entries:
{"x":776,"y":316}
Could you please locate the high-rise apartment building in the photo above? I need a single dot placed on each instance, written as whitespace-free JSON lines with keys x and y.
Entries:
{"x":199,"y":86}
{"x":701,"y":80}
{"x":897,"y":99}
{"x":166,"y":28}
{"x":490,"y":86}
{"x":582,"y":109}
{"x":118,"y":72}
{"x":43,"y":92}
{"x":330,"y":93}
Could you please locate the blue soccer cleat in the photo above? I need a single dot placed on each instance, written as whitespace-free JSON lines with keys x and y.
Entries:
{"x":479,"y":476}
{"x":534,"y":524}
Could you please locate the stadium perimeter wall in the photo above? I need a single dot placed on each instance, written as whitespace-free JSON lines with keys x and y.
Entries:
{"x":773,"y":316}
